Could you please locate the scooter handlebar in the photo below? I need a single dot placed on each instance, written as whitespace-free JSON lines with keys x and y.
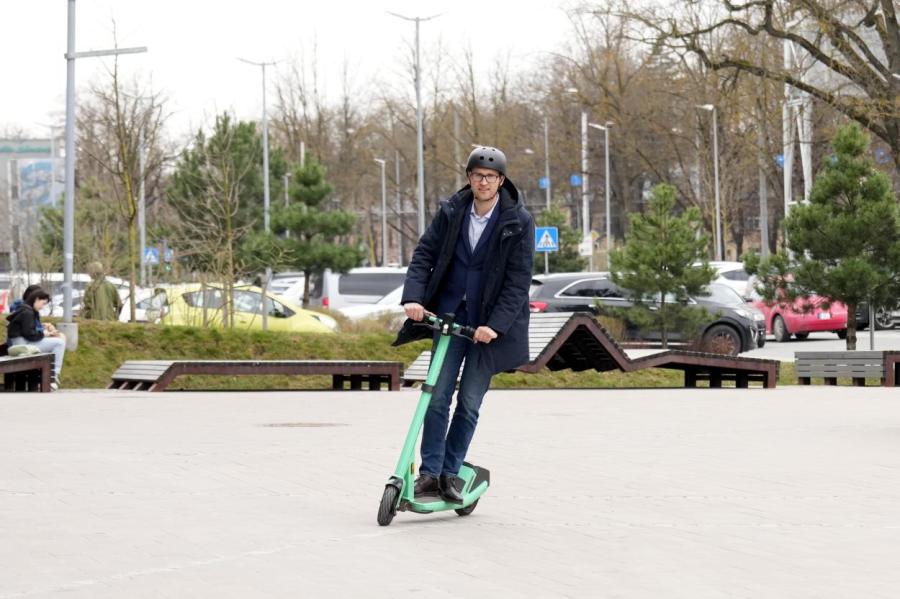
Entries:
{"x":467,"y":332}
{"x":434,"y":322}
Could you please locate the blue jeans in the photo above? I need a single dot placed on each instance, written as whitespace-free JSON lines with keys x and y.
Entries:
{"x":443,"y":452}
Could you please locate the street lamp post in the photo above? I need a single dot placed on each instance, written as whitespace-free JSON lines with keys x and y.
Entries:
{"x":547,"y":158}
{"x":68,"y":327}
{"x":420,"y":159}
{"x":382,"y":163}
{"x":605,"y":128}
{"x":399,"y":209}
{"x":265,"y":131}
{"x":718,"y":237}
{"x":142,"y":205}
{"x":585,"y":203}
{"x":287,"y":199}
{"x":265,"y":168}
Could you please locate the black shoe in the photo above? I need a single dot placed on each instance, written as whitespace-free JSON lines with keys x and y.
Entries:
{"x":425,"y":484}
{"x":449,"y":492}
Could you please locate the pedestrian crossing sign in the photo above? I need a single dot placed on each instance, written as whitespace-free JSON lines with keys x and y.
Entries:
{"x":546,"y":239}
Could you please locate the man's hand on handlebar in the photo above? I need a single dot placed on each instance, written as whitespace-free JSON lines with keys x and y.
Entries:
{"x":414,"y":311}
{"x":484,"y":334}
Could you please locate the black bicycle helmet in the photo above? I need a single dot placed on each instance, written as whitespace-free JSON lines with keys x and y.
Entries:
{"x":485,"y":157}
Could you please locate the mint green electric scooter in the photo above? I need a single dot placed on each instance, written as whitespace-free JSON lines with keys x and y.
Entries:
{"x":472,"y":481}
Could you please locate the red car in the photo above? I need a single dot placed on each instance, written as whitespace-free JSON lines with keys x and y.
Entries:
{"x":782,"y":321}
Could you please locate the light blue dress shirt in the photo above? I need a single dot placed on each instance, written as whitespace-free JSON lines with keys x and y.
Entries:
{"x":478,"y":223}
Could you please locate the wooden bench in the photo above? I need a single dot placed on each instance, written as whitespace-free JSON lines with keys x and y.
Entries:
{"x":855,"y":365}
{"x":26,"y":373}
{"x":576,"y":341}
{"x":156,"y":375}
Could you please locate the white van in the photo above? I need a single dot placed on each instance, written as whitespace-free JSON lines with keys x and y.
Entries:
{"x":364,"y":285}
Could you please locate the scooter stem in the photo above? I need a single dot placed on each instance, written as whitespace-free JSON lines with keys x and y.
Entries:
{"x":404,"y":468}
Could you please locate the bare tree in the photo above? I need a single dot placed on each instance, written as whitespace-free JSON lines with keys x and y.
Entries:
{"x":854,"y":47}
{"x":111,"y":126}
{"x":206,"y":191}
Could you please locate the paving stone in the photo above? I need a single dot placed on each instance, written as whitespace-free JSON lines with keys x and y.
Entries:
{"x":707,"y":493}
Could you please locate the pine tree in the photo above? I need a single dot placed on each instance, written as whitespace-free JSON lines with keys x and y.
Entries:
{"x":845,"y":243}
{"x":567,"y":258}
{"x":657,"y":264}
{"x":312,"y":235}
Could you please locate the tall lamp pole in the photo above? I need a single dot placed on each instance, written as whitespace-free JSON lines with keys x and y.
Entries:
{"x":265,"y":168}
{"x":399,"y":209}
{"x":711,"y":107}
{"x":585,"y":204}
{"x":383,"y":213}
{"x":605,"y":128}
{"x":547,"y":158}
{"x":265,"y":128}
{"x":420,"y":159}
{"x":68,"y":327}
{"x":142,"y":205}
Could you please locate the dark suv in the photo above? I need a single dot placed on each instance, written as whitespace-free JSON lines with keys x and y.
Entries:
{"x":734,"y":326}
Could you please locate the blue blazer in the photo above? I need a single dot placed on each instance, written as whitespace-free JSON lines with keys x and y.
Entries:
{"x":506,"y":275}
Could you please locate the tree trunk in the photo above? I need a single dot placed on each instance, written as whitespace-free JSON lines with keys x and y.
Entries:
{"x":307,"y":275}
{"x":133,"y":255}
{"x":851,"y":326}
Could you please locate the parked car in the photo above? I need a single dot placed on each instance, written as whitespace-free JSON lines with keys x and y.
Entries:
{"x":185,"y":305}
{"x":389,"y":304}
{"x":885,"y":317}
{"x":725,"y":295}
{"x":733,"y":326}
{"x":288,"y":285}
{"x":364,"y":285}
{"x":733,"y":275}
{"x":785,"y":320}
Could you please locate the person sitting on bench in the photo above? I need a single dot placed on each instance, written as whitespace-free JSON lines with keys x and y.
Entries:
{"x":25,"y":328}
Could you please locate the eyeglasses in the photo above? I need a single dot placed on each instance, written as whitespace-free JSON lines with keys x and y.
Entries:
{"x":478,"y":178}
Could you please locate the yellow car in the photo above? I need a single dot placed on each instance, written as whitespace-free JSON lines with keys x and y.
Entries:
{"x":191,"y":305}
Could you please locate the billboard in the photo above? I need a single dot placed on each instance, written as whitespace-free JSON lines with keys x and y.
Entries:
{"x":38,"y":184}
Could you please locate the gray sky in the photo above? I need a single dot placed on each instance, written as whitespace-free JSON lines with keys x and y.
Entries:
{"x":193,"y":45}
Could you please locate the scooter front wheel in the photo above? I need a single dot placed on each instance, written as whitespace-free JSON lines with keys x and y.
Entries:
{"x":388,"y":506}
{"x":465,"y":511}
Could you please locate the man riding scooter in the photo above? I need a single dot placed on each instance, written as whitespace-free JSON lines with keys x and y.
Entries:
{"x":475,"y":262}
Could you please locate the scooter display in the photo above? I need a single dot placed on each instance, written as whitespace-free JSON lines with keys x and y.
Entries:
{"x":472,"y":481}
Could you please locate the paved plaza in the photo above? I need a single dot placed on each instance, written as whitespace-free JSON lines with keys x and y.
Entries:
{"x":792,"y":492}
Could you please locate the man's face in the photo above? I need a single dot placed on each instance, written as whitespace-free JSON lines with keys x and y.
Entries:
{"x":485,"y":182}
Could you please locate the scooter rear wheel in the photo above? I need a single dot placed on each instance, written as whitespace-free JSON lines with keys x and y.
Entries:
{"x":465,"y":511}
{"x":388,"y":506}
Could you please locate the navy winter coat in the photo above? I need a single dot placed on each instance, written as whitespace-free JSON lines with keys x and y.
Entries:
{"x":507,"y":276}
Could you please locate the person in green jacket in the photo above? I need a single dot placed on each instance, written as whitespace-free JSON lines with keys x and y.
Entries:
{"x":101,"y":299}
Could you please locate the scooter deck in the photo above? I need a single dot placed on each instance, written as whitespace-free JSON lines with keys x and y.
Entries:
{"x":472,"y":482}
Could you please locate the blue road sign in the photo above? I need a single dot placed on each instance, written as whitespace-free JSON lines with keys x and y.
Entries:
{"x":546,"y":239}
{"x":151,"y":255}
{"x":543,"y":182}
{"x":574,"y":180}
{"x":779,"y":160}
